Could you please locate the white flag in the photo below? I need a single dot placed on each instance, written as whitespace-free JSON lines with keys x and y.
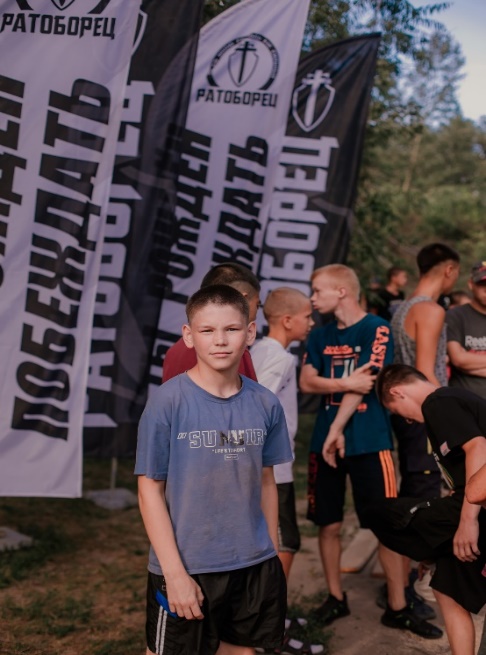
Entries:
{"x":243,"y":81}
{"x":63,"y":72}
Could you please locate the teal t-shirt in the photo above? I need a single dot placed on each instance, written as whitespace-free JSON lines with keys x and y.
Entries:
{"x":336,"y":353}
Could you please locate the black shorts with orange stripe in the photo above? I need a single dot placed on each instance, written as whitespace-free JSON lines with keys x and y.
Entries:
{"x":372,"y":478}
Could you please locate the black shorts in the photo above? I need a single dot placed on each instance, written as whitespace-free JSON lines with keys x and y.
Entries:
{"x":424,"y":531}
{"x":288,"y":530}
{"x":419,"y":473}
{"x":372,"y":477}
{"x":245,"y":607}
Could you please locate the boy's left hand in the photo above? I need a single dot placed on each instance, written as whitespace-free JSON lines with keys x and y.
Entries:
{"x":466,"y":540}
{"x":333,"y":444}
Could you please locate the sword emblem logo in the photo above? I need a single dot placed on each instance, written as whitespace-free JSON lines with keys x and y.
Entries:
{"x":315,"y":91}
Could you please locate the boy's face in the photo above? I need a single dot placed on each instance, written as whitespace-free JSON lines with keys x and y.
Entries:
{"x":301,"y":323}
{"x":479,"y":294}
{"x":325,"y":296}
{"x":219,"y":334}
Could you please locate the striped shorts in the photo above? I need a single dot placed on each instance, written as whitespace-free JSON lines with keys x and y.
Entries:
{"x":244,"y":607}
{"x":372,"y":478}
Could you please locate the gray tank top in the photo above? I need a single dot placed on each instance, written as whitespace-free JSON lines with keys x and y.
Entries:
{"x":405,"y":347}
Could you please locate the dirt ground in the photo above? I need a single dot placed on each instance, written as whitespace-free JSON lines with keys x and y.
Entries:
{"x":81,"y":589}
{"x":361,"y":633}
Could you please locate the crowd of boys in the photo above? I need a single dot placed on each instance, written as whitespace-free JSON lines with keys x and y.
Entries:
{"x":215,"y":451}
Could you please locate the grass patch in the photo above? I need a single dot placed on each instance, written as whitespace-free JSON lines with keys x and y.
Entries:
{"x":52,"y":613}
{"x":16,"y":565}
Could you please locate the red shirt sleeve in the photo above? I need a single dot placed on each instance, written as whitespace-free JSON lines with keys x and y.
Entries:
{"x":178,"y":359}
{"x":246,"y":366}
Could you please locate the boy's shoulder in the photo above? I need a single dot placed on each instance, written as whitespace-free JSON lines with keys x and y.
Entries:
{"x":266,"y":346}
{"x":252,"y":387}
{"x":373,"y":321}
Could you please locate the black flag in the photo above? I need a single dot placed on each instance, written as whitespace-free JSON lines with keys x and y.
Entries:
{"x":310,"y":218}
{"x":140,"y":222}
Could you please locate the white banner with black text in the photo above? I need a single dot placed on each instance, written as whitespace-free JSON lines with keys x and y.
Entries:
{"x":63,"y":73}
{"x":245,"y":69}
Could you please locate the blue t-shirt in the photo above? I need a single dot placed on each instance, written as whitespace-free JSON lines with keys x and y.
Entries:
{"x":211,"y":451}
{"x":336,"y":353}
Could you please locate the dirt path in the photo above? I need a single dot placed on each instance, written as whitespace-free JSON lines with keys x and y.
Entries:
{"x":361,"y":633}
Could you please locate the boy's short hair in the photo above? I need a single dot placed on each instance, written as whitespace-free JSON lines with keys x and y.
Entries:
{"x":217,"y":294}
{"x":232,"y":274}
{"x":391,"y":376}
{"x":283,"y":301}
{"x":434,"y":254}
{"x":345,"y":275}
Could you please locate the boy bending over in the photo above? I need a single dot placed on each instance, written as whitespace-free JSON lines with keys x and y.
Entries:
{"x":208,"y":441}
{"x":450,"y":531}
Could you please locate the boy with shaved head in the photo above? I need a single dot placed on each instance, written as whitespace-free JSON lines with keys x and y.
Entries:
{"x":289,"y":316}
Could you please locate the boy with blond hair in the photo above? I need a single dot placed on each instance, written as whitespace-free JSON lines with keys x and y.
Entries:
{"x":208,"y":441}
{"x":352,"y":436}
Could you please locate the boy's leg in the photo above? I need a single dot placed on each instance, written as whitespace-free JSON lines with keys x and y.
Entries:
{"x":459,"y":625}
{"x":392,"y":564}
{"x":326,"y":494}
{"x":230,"y":649}
{"x":330,"y":551}
{"x":286,"y":560}
{"x":288,"y":529}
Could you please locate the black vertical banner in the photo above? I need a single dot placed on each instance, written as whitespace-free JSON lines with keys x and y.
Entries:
{"x":140,"y":224}
{"x":310,"y":217}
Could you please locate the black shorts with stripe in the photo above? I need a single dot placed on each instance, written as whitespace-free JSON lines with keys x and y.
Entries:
{"x":372,"y":478}
{"x":288,"y":529}
{"x":245,"y":607}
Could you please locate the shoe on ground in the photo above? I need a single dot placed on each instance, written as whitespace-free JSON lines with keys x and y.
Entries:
{"x":406,"y":619}
{"x":330,"y":610}
{"x":296,"y":647}
{"x":422,"y":609}
{"x":414,"y":600}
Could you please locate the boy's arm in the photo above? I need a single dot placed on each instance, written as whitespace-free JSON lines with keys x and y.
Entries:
{"x":476,"y":487}
{"x":334,"y":442}
{"x":466,"y":537}
{"x":270,"y":503}
{"x":360,"y":381}
{"x":183,"y":593}
{"x":473,"y":363}
{"x":428,"y":323}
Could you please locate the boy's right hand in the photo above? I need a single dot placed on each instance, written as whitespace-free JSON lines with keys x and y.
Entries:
{"x":361,"y":379}
{"x":185,"y":597}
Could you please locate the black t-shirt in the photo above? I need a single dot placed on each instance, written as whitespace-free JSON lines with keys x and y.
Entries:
{"x":384,"y":303}
{"x":453,"y":417}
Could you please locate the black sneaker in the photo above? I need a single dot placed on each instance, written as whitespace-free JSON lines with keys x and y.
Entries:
{"x":420,"y":608}
{"x":414,"y":600}
{"x":405,"y":619}
{"x":330,"y":610}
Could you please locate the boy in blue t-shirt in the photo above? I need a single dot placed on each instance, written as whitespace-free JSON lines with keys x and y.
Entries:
{"x":208,"y":441}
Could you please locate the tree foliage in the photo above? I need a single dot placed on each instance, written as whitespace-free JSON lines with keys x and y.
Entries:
{"x":423,"y":172}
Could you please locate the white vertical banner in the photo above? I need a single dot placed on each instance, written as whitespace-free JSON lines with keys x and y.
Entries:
{"x":63,"y":72}
{"x":245,"y":69}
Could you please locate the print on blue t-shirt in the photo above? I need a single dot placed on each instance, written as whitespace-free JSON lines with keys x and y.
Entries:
{"x":211,"y":452}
